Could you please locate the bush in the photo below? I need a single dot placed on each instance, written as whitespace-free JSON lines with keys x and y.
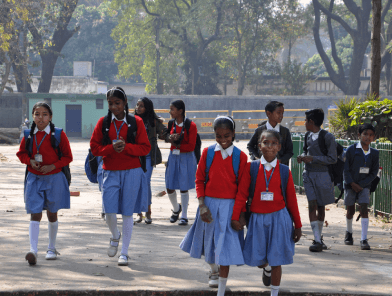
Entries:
{"x":340,"y":121}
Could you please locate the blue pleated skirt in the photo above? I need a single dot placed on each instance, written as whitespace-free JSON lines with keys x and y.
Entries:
{"x":148,"y":177}
{"x":124,"y":192}
{"x":181,"y":171}
{"x":217,"y":241}
{"x":46,"y":192}
{"x":269,"y":239}
{"x":100,"y":173}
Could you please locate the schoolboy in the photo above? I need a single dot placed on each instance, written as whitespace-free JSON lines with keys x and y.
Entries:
{"x":360,"y":169}
{"x":274,"y":111}
{"x":317,"y":181}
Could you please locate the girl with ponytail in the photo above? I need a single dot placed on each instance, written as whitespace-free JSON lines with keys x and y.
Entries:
{"x":124,"y":185}
{"x":46,"y":187}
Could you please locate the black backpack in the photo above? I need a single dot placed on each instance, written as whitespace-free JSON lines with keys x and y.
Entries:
{"x":131,"y":138}
{"x":335,"y":170}
{"x":187,"y":125}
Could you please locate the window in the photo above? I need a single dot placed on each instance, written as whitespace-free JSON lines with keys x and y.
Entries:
{"x":99,"y":103}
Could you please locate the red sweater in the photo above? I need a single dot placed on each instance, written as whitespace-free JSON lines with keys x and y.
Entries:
{"x":222,"y":180}
{"x":264,"y":207}
{"x":188,"y":142}
{"x":49,"y":155}
{"x":129,"y":157}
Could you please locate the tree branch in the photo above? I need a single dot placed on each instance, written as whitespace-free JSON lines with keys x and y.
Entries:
{"x":178,"y":9}
{"x":146,"y":9}
{"x":335,"y":56}
{"x":187,"y":4}
{"x":385,"y":10}
{"x":353,"y":8}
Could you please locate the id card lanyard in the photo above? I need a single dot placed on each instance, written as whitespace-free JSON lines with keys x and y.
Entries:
{"x":265,"y":176}
{"x":118,"y":130}
{"x":38,"y":157}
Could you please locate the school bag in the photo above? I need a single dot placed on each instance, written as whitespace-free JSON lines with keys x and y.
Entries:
{"x":210,"y":157}
{"x":254,"y":170}
{"x":187,"y":125}
{"x":335,"y":170}
{"x":57,"y":135}
{"x":91,"y":167}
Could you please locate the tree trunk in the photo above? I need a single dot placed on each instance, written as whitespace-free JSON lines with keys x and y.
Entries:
{"x":48,"y":63}
{"x":376,"y":49}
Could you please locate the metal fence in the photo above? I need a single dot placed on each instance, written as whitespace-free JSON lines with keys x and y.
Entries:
{"x":381,"y":199}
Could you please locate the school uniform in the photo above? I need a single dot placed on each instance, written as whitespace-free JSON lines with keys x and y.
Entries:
{"x":217,"y":241}
{"x":316,"y":177}
{"x":123,"y":181}
{"x":270,"y":231}
{"x":181,"y":165}
{"x":46,"y":191}
{"x":360,"y":167}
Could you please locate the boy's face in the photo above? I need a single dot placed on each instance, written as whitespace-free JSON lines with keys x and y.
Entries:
{"x":276,"y":116}
{"x":309,"y":125}
{"x":367,"y":137}
{"x":269,"y":147}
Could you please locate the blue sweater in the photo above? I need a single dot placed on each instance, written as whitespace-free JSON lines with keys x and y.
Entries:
{"x":355,"y":159}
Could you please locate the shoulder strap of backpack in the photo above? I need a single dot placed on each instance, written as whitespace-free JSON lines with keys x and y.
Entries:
{"x":170,"y":125}
{"x":187,"y":124}
{"x":321,"y":142}
{"x":236,"y":162}
{"x":254,"y":170}
{"x":306,"y":142}
{"x":210,"y":158}
{"x":57,"y":136}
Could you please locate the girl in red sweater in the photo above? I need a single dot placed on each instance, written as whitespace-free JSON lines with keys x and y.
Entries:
{"x":221,"y":166}
{"x":124,"y":183}
{"x":46,"y":187}
{"x":270,"y":238}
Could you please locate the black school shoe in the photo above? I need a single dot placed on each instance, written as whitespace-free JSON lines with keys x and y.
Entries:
{"x":183,"y":222}
{"x":365,"y":245}
{"x":316,"y":247}
{"x":348,"y":239}
{"x":324,"y":245}
{"x":175,"y":215}
{"x":266,"y":278}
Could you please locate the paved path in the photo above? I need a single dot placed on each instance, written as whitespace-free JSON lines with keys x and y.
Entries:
{"x":156,"y":261}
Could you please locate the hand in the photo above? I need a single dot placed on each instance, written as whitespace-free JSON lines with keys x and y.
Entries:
{"x":47,"y":168}
{"x":299,"y":159}
{"x":205,"y":213}
{"x":119,"y":146}
{"x":297,"y":234}
{"x":307,"y":159}
{"x":356,"y":187}
{"x":174,"y":137}
{"x":35,"y":164}
{"x":242,"y":219}
{"x":236,"y":225}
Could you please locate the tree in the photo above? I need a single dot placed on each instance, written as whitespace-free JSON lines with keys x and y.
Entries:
{"x":358,"y":31}
{"x":376,"y":49}
{"x":295,"y":76}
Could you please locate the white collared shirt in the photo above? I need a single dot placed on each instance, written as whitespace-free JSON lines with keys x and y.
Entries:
{"x":225,"y":152}
{"x":268,"y":165}
{"x":277,"y":127}
{"x":124,"y":119}
{"x":181,"y":124}
{"x":315,"y":135}
{"x":360,"y":146}
{"x":46,"y":129}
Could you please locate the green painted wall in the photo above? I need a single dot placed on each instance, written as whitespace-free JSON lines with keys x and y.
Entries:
{"x":90,"y":114}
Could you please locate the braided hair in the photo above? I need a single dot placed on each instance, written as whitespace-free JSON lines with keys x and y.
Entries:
{"x":117,"y":92}
{"x":34,"y":125}
{"x":149,"y":115}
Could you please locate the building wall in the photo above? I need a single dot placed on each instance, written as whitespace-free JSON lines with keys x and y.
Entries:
{"x":10,"y":110}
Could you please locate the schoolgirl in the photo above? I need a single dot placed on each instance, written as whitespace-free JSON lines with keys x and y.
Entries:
{"x":270,"y":238}
{"x":154,"y":126}
{"x":46,"y":187}
{"x":124,"y":183}
{"x":182,"y":164}
{"x":220,"y":167}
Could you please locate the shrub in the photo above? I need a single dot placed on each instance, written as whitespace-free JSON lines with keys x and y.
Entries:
{"x":340,"y":121}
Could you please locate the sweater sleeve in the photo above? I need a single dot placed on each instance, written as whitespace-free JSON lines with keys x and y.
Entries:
{"x":161,"y":129}
{"x":332,"y":157}
{"x":292,"y":204}
{"x":252,"y":145}
{"x":23,"y":154}
{"x":242,"y":194}
{"x":373,"y":170}
{"x":96,"y":146}
{"x":190,"y":146}
{"x":142,"y":146}
{"x":201,"y":175}
{"x":65,"y":148}
{"x":288,"y":148}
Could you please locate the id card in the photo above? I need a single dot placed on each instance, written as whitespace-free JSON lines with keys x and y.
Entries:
{"x":38,"y":157}
{"x":268,"y":196}
{"x":364,"y":170}
{"x":176,"y":151}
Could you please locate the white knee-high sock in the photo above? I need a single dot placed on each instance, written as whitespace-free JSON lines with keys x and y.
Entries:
{"x":365,"y":226}
{"x":111,"y":221}
{"x":274,"y":290}
{"x":33,"y":234}
{"x":349,"y":225}
{"x":214,"y":267}
{"x":184,"y":204}
{"x":222,"y":286}
{"x":320,"y":224}
{"x":316,"y":231}
{"x":127,"y":233}
{"x":173,"y":200}
{"x":52,"y":230}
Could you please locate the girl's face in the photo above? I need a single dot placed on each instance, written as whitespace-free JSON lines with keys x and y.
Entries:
{"x":269,"y":147}
{"x":175,"y":113}
{"x":41,"y":117}
{"x":224,"y":137}
{"x":140,"y":109}
{"x":117,"y":107}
